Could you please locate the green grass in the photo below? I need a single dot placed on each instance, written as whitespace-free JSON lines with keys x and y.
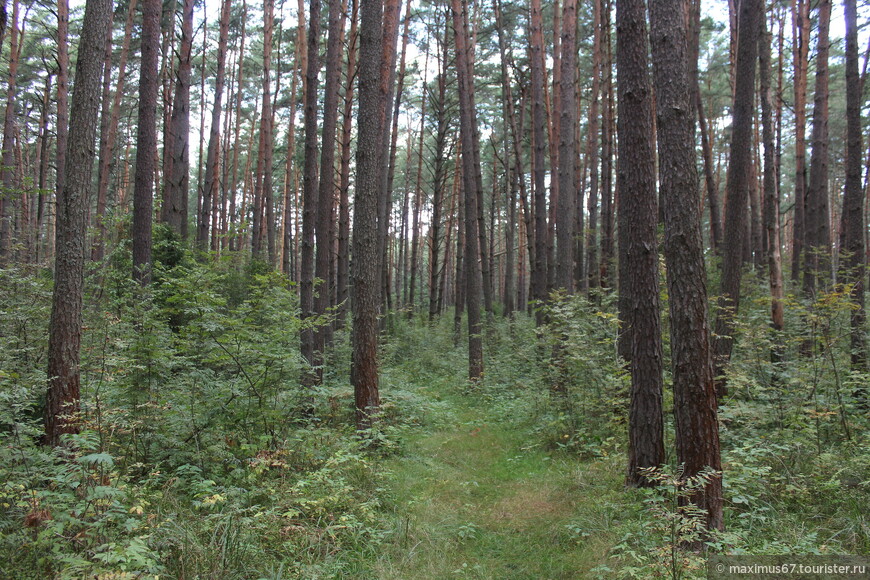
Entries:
{"x":480,"y":498}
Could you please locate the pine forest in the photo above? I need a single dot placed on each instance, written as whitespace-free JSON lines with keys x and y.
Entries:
{"x":412,"y":289}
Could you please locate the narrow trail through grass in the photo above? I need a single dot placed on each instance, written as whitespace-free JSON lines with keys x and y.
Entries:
{"x":479,"y":498}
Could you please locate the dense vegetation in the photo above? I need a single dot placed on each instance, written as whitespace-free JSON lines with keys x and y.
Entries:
{"x":465,"y":291}
{"x":201,"y":456}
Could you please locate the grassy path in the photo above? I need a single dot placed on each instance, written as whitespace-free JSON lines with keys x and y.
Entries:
{"x":478,"y":499}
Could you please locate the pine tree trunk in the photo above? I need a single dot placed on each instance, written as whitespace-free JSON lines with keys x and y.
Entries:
{"x":512,"y":166}
{"x":263,"y":191}
{"x":471,"y":185}
{"x":174,"y":210}
{"x":210,"y":182}
{"x":695,"y":415}
{"x":755,"y":246}
{"x":288,"y":256}
{"x":63,"y":62}
{"x":817,"y":273}
{"x":146,"y":141}
{"x":107,"y":147}
{"x":536,"y":50}
{"x":441,"y":147}
{"x":167,"y":81}
{"x":638,"y":271}
{"x":389,"y":41}
{"x":710,"y":182}
{"x":327,"y":184}
{"x":710,"y":185}
{"x":403,"y":226}
{"x":42,"y":179}
{"x":365,"y":274}
{"x":236,"y":242}
{"x":771,"y":198}
{"x":606,"y":265}
{"x":226,"y":165}
{"x":418,"y":202}
{"x":459,"y":274}
{"x":739,"y":182}
{"x":342,"y":291}
{"x":6,"y":159}
{"x":308,"y":345}
{"x":592,"y":269}
{"x":266,"y":128}
{"x":852,"y":264}
{"x":800,"y":49}
{"x":567,"y":153}
{"x":65,"y":327}
{"x":450,"y":288}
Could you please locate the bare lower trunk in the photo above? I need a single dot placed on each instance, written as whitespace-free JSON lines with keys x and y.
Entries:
{"x":65,"y":328}
{"x":365,"y":274}
{"x":817,"y":272}
{"x":739,"y":183}
{"x":638,"y":216}
{"x":695,"y":410}
{"x":771,"y":198}
{"x":852,"y":263}
{"x":539,"y":267}
{"x":146,"y":141}
{"x":308,"y":346}
{"x":342,"y":291}
{"x":174,"y":210}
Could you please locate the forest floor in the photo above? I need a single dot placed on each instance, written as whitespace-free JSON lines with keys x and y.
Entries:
{"x":478,"y":497}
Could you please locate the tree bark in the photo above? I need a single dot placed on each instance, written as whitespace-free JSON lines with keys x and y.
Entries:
{"x":391,"y":169}
{"x":638,"y":218}
{"x":167,"y":82}
{"x":710,"y":182}
{"x":458,"y":214}
{"x":591,"y":274}
{"x":800,"y":49}
{"x":567,"y":153}
{"x":262,"y":199}
{"x":267,"y":130}
{"x":739,"y":182}
{"x":418,"y":200}
{"x":288,"y":257}
{"x":62,"y":90}
{"x":327,"y":185}
{"x":771,"y":197}
{"x":210,"y":182}
{"x":511,"y":164}
{"x":365,"y":274}
{"x":471,"y":184}
{"x":441,"y":153}
{"x":389,"y":40}
{"x":606,"y":267}
{"x":107,"y":145}
{"x":146,"y":141}
{"x":174,"y":210}
{"x":7,"y":169}
{"x":536,"y":50}
{"x":236,"y":242}
{"x":342,"y":291}
{"x":42,"y":179}
{"x":310,"y":193}
{"x":852,"y":264}
{"x":65,"y":327}
{"x":817,"y":272}
{"x":695,"y":415}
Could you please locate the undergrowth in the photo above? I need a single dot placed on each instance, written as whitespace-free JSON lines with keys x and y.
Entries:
{"x":202,"y":456}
